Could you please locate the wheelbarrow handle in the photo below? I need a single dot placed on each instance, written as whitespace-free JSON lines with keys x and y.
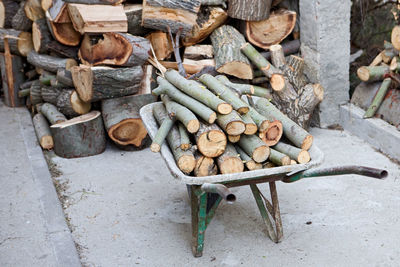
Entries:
{"x":360,"y":170}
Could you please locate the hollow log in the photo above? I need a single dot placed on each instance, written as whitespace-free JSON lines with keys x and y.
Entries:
{"x":231,"y":123}
{"x":279,"y":158}
{"x":69,"y":104}
{"x":63,"y":32}
{"x":251,"y":165}
{"x":122,"y":120}
{"x":173,"y":14}
{"x":211,"y":140}
{"x":8,"y":9}
{"x":35,"y":93}
{"x":185,"y":139}
{"x":301,"y":156}
{"x":205,"y":166}
{"x":229,"y":161}
{"x":81,"y":136}
{"x":20,"y":21}
{"x":162,"y":132}
{"x":52,"y":114}
{"x":33,"y":10}
{"x":20,"y":45}
{"x":161,"y":44}
{"x":255,"y":10}
{"x":97,"y":83}
{"x":373,"y":73}
{"x":120,"y":49}
{"x":50,"y":63}
{"x":41,"y":36}
{"x":12,"y":77}
{"x":272,"y":134}
{"x":42,"y":131}
{"x":226,"y":42}
{"x":133,"y":13}
{"x":254,"y":147}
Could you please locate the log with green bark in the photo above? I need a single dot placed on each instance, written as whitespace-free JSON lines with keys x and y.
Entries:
{"x":372,"y":73}
{"x":182,"y":113}
{"x":254,"y":147}
{"x":185,"y":139}
{"x":81,"y":136}
{"x":231,"y":123}
{"x":52,"y":114}
{"x":205,"y":166}
{"x":24,"y":92}
{"x":301,"y":156}
{"x":184,"y":159}
{"x":201,"y":110}
{"x":46,"y":77}
{"x":50,"y":63}
{"x":279,"y":158}
{"x":377,"y":101}
{"x":251,"y":126}
{"x":297,"y":135}
{"x":251,"y":165}
{"x":42,"y":131}
{"x":229,"y":161}
{"x":162,"y":132}
{"x":241,"y":89}
{"x":198,"y":92}
{"x":261,"y":121}
{"x":210,"y":140}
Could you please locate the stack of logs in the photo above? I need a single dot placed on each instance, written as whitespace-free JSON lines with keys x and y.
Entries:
{"x":79,"y":64}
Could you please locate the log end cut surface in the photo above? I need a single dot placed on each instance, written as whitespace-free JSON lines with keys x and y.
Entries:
{"x":272,"y":134}
{"x":363,"y":74}
{"x":261,"y":154}
{"x":78,"y":105}
{"x":25,"y":44}
{"x":396,"y":37}
{"x":186,"y":163}
{"x":212,"y":144}
{"x":193,"y":126}
{"x":303,"y":157}
{"x":307,"y":142}
{"x":46,"y":142}
{"x":235,"y":128}
{"x":224,"y":108}
{"x":231,"y":165}
{"x":128,"y":132}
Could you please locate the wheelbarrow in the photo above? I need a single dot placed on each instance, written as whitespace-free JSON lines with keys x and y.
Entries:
{"x":206,"y":193}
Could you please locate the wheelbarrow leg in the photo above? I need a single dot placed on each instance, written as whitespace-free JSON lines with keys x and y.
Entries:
{"x":276,"y":213}
{"x":199,"y":215}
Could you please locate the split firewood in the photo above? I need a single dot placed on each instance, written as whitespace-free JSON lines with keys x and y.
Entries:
{"x":133,"y":13}
{"x":270,"y":31}
{"x":33,"y":10}
{"x":231,"y":123}
{"x":229,"y":161}
{"x":122,"y":120}
{"x":58,"y":11}
{"x":190,"y":66}
{"x":395,"y":64}
{"x":197,"y":107}
{"x":162,"y":132}
{"x":377,"y":101}
{"x":70,"y":104}
{"x":8,"y":9}
{"x":98,"y":18}
{"x":161,"y":44}
{"x":21,"y":43}
{"x":198,"y":92}
{"x":20,"y":21}
{"x":226,"y":42}
{"x":185,"y":139}
{"x":64,"y":76}
{"x":35,"y":94}
{"x":272,"y":134}
{"x":297,"y":135}
{"x":81,"y":136}
{"x":41,"y":36}
{"x":198,"y":52}
{"x":254,"y":147}
{"x":395,"y":37}
{"x":279,"y":158}
{"x":182,"y":114}
{"x":120,"y":49}
{"x":46,"y":4}
{"x":233,"y":138}
{"x":173,"y":14}
{"x":184,"y":159}
{"x":63,"y":32}
{"x":50,"y":63}
{"x":209,"y":18}
{"x":97,"y":83}
{"x":255,"y":10}
{"x":211,"y":140}
{"x":372,"y":74}
{"x":148,"y":82}
{"x":251,"y":165}
{"x":42,"y":130}
{"x":205,"y":166}
{"x":301,"y":156}
{"x":52,"y":114}
{"x":251,"y":126}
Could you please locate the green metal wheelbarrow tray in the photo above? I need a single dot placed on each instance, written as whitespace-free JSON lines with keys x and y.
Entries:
{"x":207,"y":192}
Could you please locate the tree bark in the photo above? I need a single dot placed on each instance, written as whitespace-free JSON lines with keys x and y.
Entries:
{"x":122,"y":119}
{"x":69,"y":104}
{"x":50,"y":94}
{"x":50,"y":63}
{"x":42,"y":130}
{"x":52,"y":114}
{"x":279,"y":158}
{"x":251,"y":165}
{"x":229,"y":161}
{"x":301,"y":156}
{"x":372,"y":73}
{"x":8,"y":9}
{"x":12,"y":77}
{"x":21,"y":45}
{"x":64,"y":76}
{"x":20,"y":21}
{"x":226,"y":42}
{"x":82,"y":136}
{"x":61,"y":50}
{"x":273,"y":133}
{"x":41,"y":36}
{"x":120,"y":49}
{"x":211,"y":140}
{"x":35,"y":93}
{"x":254,"y":147}
{"x":134,"y":16}
{"x":255,"y":10}
{"x":185,"y":139}
{"x":204,"y":166}
{"x":231,"y":123}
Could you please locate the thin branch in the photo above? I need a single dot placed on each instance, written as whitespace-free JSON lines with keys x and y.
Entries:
{"x":175,"y":45}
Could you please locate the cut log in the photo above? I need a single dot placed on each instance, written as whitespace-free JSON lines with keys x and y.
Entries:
{"x":389,"y":53}
{"x":42,"y":130}
{"x":251,"y":165}
{"x":279,"y":158}
{"x":26,"y":85}
{"x":254,"y":147}
{"x":261,"y":121}
{"x":301,"y":156}
{"x":69,"y":103}
{"x":270,"y":31}
{"x":289,"y":47}
{"x":377,"y":60}
{"x":233,"y":138}
{"x":50,"y":94}
{"x":395,"y":38}
{"x":190,"y":66}
{"x":35,"y":93}
{"x":52,"y":114}
{"x":148,"y":82}
{"x":120,"y":49}
{"x":50,"y":63}
{"x":23,"y":93}
{"x":64,"y":76}
{"x":229,"y":161}
{"x":255,"y":10}
{"x":197,"y":52}
{"x":20,"y":45}
{"x":61,"y":50}
{"x":272,"y":134}
{"x":240,"y":89}
{"x":134,"y":17}
{"x":63,"y":32}
{"x":372,"y":74}
{"x":82,"y":136}
{"x":377,"y":101}
{"x":231,"y":123}
{"x":209,"y":18}
{"x":198,"y":92}
{"x":226,"y":42}
{"x":20,"y":21}
{"x":97,"y":83}
{"x":182,"y":114}
{"x":122,"y":119}
{"x":204,"y":166}
{"x":58,"y":11}
{"x":251,"y":126}
{"x":8,"y":9}
{"x":297,"y":135}
{"x":41,"y":36}
{"x":184,"y":159}
{"x":277,"y":80}
{"x":185,"y":139}
{"x":46,"y":77}
{"x":312,"y":95}
{"x":197,"y":107}
{"x":12,"y":77}
{"x":33,"y":10}
{"x":162,"y":132}
{"x":293,"y":162}
{"x":277,"y":56}
{"x":173,"y":14}
{"x":211,"y":140}
{"x":161,"y":43}
{"x":98,"y":18}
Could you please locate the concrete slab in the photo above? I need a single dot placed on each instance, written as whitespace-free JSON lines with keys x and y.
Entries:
{"x":126,"y":209}
{"x":33,"y":231}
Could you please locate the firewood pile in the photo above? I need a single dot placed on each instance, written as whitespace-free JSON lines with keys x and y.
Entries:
{"x":86,"y":67}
